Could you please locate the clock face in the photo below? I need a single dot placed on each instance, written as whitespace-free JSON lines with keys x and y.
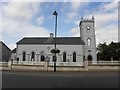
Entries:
{"x":88,"y":27}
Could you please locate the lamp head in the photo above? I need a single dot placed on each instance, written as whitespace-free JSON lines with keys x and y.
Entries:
{"x":55,"y":13}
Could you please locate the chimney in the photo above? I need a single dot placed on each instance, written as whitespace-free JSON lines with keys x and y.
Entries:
{"x":51,"y":35}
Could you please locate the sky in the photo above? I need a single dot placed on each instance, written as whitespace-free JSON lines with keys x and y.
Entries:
{"x":27,"y":18}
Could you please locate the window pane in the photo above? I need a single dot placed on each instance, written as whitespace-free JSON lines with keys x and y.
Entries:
{"x":33,"y":56}
{"x":89,"y":42}
{"x":74,"y":57}
{"x":42,"y":58}
{"x":24,"y":56}
{"x":64,"y":57}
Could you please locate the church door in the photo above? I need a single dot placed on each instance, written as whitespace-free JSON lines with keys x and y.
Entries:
{"x":89,"y":58}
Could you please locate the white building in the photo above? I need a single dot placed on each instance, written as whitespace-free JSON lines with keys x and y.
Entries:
{"x":5,"y":52}
{"x":72,"y":49}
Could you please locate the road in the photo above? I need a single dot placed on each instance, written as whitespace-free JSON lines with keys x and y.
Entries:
{"x":59,"y":79}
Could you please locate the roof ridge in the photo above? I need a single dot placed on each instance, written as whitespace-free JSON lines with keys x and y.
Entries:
{"x":48,"y":40}
{"x":49,"y":37}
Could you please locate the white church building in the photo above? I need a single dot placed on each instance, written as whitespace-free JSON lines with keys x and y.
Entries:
{"x":72,"y":49}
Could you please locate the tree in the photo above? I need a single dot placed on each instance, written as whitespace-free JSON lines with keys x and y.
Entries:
{"x":106,"y":52}
{"x":103,"y":51}
{"x":114,"y":49}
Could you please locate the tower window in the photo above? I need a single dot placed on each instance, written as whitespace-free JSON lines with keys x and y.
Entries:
{"x":88,"y":30}
{"x":89,"y":42}
{"x":89,"y":50}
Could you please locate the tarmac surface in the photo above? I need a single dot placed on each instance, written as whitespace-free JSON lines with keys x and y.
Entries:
{"x":93,"y":79}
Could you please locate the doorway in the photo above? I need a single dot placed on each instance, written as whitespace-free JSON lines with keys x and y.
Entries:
{"x":89,"y":58}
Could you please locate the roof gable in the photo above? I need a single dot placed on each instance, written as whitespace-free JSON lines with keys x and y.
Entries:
{"x":4,"y":45}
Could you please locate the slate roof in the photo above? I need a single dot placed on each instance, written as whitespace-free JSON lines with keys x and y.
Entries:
{"x":48,"y":40}
{"x":3,"y":44}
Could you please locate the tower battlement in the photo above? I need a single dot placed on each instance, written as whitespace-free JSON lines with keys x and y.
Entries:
{"x":86,"y":20}
{"x":92,"y":19}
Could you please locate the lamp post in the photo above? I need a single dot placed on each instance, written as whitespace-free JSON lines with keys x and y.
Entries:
{"x":55,"y":13}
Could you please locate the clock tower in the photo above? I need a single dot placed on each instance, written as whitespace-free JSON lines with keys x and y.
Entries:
{"x":87,"y":34}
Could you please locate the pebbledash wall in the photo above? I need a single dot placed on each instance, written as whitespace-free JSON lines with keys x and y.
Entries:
{"x":69,"y":49}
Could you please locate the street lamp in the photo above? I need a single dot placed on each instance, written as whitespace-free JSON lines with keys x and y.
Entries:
{"x":55,"y":13}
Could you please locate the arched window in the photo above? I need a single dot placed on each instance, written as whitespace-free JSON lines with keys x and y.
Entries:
{"x":89,"y":42}
{"x":74,"y":57}
{"x":32,"y":56}
{"x":24,"y":56}
{"x":42,"y":57}
{"x":64,"y":57}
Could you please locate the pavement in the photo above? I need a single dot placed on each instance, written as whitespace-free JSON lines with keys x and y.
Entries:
{"x":93,"y":79}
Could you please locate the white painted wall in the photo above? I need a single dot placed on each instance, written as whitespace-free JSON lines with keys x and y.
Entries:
{"x":69,"y":49}
{"x":13,"y":56}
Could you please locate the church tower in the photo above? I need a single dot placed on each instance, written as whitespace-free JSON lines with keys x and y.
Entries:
{"x":87,"y":34}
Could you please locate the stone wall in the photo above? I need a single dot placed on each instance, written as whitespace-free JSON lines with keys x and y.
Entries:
{"x":47,"y":68}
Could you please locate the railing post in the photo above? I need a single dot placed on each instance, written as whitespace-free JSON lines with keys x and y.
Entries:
{"x":46,"y":66}
{"x":112,"y":60}
{"x":10,"y":64}
{"x":46,"y":63}
{"x":86,"y":64}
